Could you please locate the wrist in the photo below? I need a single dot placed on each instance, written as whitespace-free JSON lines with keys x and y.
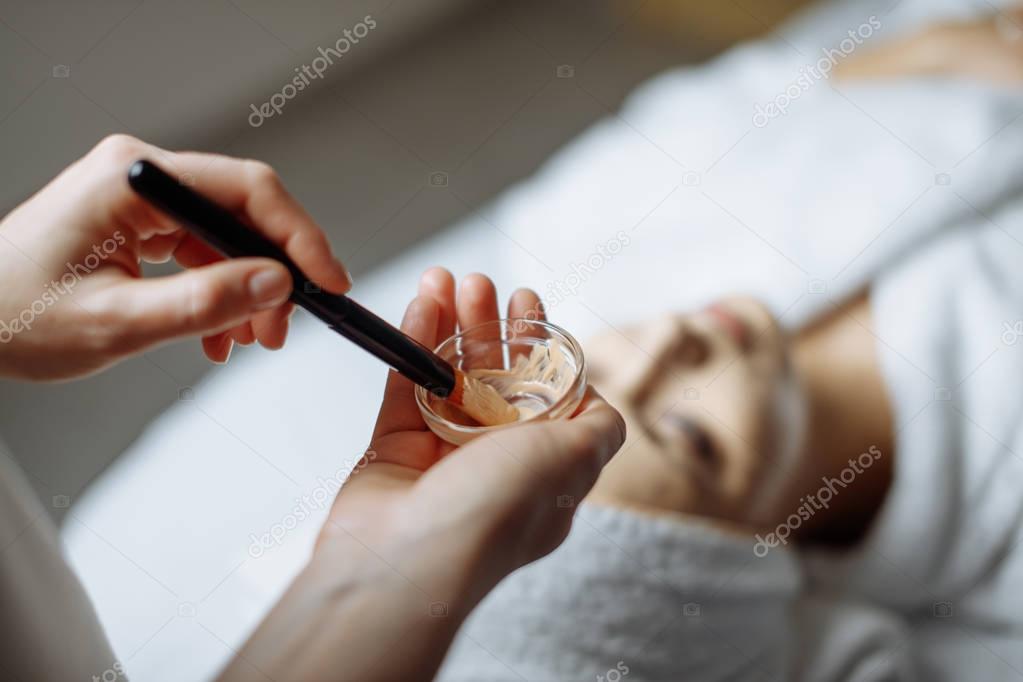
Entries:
{"x":428,"y":566}
{"x":373,"y":592}
{"x":356,"y":603}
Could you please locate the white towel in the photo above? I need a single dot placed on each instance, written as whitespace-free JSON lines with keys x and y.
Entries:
{"x":910,"y":185}
{"x":834,"y":193}
{"x":943,"y":558}
{"x":584,"y":614}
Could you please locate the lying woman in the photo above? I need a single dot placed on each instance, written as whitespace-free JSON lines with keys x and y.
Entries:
{"x":837,"y":501}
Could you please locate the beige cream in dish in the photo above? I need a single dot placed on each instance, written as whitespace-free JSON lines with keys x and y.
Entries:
{"x":536,"y":366}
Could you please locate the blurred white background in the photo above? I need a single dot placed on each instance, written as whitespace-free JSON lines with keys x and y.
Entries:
{"x":466,"y":89}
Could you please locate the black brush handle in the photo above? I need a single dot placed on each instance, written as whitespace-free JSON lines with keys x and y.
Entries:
{"x":224,"y":232}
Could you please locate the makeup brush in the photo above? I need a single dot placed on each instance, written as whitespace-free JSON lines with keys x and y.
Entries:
{"x":224,"y":232}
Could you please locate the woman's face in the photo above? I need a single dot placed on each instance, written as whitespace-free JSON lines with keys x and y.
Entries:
{"x":716,"y":417}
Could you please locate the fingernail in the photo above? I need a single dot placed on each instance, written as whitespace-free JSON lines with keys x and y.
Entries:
{"x":286,"y":323}
{"x":229,"y":343}
{"x":269,"y":287}
{"x":344,"y":272}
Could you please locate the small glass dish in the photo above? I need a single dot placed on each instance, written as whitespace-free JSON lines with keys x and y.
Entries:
{"x":536,"y":366}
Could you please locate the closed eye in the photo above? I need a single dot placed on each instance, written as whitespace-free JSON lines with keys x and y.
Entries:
{"x":703,"y":445}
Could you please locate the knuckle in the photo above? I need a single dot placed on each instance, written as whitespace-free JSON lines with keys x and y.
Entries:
{"x":262,"y":175}
{"x":581,"y":451}
{"x":313,"y":239}
{"x":205,"y":297}
{"x":106,"y":327}
{"x":118,"y":147}
{"x":598,"y":438}
{"x":100,"y":337}
{"x":580,"y":443}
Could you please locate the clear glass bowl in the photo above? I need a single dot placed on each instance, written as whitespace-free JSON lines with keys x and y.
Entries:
{"x":536,"y":366}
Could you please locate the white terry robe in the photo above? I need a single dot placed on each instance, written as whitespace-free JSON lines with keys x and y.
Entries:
{"x":943,"y":561}
{"x":839,"y":186}
{"x":747,"y":201}
{"x":638,"y":598}
{"x":933,"y":593}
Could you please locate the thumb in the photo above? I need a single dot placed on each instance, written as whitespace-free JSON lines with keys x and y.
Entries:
{"x":198,"y":302}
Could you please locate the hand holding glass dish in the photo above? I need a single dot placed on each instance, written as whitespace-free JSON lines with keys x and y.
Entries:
{"x":537,"y":367}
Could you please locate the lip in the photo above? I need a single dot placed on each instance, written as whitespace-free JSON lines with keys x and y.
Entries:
{"x":733,"y":325}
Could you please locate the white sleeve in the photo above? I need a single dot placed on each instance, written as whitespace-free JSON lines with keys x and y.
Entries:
{"x":50,"y":629}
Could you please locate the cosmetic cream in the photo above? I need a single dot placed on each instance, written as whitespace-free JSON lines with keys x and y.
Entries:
{"x":536,"y":366}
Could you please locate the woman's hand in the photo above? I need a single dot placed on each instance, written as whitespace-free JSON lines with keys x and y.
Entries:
{"x":73,"y":300}
{"x":425,"y":530}
{"x":505,"y":481}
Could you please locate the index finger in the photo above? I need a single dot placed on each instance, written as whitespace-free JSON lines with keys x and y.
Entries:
{"x":254,"y":190}
{"x":248,"y":188}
